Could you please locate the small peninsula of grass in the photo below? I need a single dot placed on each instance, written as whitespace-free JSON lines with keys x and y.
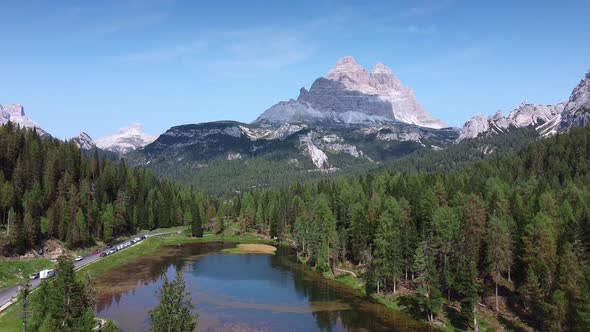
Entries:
{"x":251,"y":248}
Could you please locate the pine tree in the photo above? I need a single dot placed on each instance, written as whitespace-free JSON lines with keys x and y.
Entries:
{"x":107,"y":219}
{"x":196,"y":221}
{"x":31,"y":230}
{"x":84,"y":235}
{"x":499,"y":250}
{"x":540,"y":258}
{"x":174,"y":313}
{"x":188,"y":218}
{"x":428,"y":292}
{"x":66,"y":304}
{"x":324,"y":219}
{"x":446,"y":233}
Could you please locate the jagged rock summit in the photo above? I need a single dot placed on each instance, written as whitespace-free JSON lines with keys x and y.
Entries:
{"x":545,"y":119}
{"x":15,"y":113}
{"x":84,"y":141}
{"x":577,"y":109}
{"x":126,"y":140}
{"x":348,"y":94}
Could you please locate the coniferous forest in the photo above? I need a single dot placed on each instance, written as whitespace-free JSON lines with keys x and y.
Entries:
{"x":50,"y":189}
{"x":517,"y":226}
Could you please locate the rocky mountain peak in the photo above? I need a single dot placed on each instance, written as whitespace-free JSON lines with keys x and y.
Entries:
{"x":349,"y":95}
{"x":383,"y":79}
{"x":577,"y":108}
{"x":15,"y":113}
{"x":14,"y":110}
{"x":545,"y":119}
{"x":348,"y":68}
{"x":580,"y":95}
{"x":126,"y":139}
{"x":134,"y":128}
{"x":498,"y":115}
{"x":380,"y":68}
{"x":84,"y":141}
{"x":85,"y":136}
{"x":473,"y":127}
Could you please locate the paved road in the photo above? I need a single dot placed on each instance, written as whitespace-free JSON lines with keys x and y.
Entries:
{"x":8,"y":295}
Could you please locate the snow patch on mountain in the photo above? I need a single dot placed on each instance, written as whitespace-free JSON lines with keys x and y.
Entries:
{"x":126,"y":140}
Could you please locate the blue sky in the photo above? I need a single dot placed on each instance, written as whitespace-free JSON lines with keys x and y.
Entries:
{"x":96,"y":66}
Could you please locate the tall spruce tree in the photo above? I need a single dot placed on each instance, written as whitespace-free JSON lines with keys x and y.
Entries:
{"x":174,"y":313}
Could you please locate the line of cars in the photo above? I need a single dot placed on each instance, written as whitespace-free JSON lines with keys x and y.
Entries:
{"x":112,"y":248}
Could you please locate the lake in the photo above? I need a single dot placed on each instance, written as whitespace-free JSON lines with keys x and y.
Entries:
{"x":242,"y":293}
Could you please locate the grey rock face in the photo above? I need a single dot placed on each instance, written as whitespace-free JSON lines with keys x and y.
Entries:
{"x":84,"y":141}
{"x":349,"y":94}
{"x":475,"y":126}
{"x":545,"y":119}
{"x":15,"y":113}
{"x":577,"y":109}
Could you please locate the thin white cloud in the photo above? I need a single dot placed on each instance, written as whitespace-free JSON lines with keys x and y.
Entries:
{"x":129,"y":23}
{"x":265,"y":47}
{"x":163,"y":54}
{"x":258,"y":47}
{"x":425,"y":8}
{"x":413,"y":11}
{"x":421,"y":30}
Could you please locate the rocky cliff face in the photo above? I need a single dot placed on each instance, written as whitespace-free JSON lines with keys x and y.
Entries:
{"x":84,"y":141}
{"x":321,"y":147}
{"x":15,"y":113}
{"x":545,"y":119}
{"x":126,"y":140}
{"x":348,"y":94}
{"x":577,"y":109}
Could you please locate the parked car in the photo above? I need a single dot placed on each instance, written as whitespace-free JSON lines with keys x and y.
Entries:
{"x":34,"y":276}
{"x":78,"y":258}
{"x":96,"y":251}
{"x":102,"y":254}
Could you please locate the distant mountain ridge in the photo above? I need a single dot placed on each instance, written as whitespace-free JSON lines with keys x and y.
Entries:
{"x":348,"y":120}
{"x":546,"y":119}
{"x":126,"y":140}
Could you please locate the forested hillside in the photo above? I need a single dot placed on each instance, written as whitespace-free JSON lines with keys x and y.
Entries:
{"x":50,"y":189}
{"x":281,"y":168}
{"x":516,"y":226}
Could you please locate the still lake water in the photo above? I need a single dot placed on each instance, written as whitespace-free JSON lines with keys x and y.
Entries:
{"x":242,"y":293}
